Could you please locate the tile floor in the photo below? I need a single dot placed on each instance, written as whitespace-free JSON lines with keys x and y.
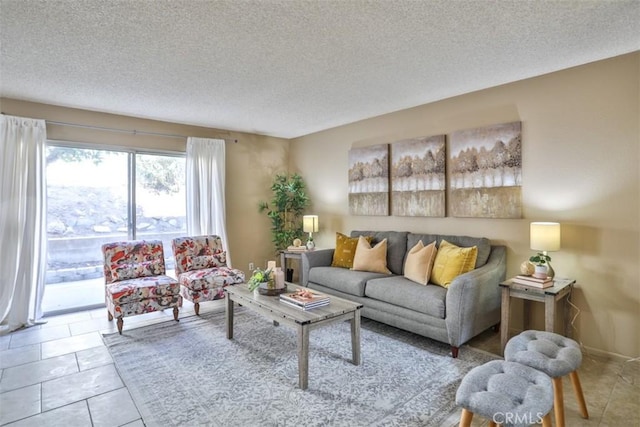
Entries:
{"x":61,"y":374}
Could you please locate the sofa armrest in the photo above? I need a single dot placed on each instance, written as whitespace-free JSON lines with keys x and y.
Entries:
{"x":473,"y":299}
{"x":317,"y":258}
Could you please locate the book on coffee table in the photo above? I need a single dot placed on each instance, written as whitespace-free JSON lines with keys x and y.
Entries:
{"x":305,"y":298}
{"x":305,"y":307}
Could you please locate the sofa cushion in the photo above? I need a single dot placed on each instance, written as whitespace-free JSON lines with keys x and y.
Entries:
{"x":348,"y":281}
{"x":396,"y":246}
{"x":345,"y":251}
{"x":483,"y":244}
{"x":371,"y":259}
{"x":452,"y":261}
{"x":419,"y":261}
{"x":403,"y":292}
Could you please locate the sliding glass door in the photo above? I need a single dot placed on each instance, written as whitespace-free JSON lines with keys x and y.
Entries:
{"x":95,"y":196}
{"x":160,"y":200}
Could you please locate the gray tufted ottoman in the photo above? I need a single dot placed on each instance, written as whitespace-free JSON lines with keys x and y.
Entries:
{"x":554,"y":355}
{"x":506,"y":393}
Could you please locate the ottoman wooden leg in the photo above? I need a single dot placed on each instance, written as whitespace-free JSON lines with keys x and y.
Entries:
{"x":196,"y":308}
{"x":577,"y":388}
{"x":465,"y":418}
{"x":109,"y":316}
{"x":120,"y":322}
{"x":558,"y":401}
{"x":175,"y":314}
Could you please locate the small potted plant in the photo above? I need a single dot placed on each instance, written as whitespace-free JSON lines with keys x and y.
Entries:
{"x":260,"y":278}
{"x":541,"y":261}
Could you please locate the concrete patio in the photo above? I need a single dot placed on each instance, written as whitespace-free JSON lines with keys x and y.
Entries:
{"x":67,"y":297}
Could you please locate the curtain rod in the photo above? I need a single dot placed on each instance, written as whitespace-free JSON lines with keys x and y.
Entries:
{"x":132,"y":132}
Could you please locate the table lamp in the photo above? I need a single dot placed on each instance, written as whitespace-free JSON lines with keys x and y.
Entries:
{"x":545,"y":237}
{"x":310,"y":225}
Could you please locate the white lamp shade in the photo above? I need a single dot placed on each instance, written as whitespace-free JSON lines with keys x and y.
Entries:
{"x":545,"y":236}
{"x":310,"y":223}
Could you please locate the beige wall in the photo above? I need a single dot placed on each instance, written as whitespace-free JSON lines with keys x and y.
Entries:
{"x":250,"y":164}
{"x":580,"y":132}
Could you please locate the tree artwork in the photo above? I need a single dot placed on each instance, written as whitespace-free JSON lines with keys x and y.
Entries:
{"x":418,"y":179}
{"x":486,"y":172}
{"x":369,"y":180}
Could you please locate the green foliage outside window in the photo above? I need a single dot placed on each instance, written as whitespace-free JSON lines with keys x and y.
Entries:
{"x":161,"y":175}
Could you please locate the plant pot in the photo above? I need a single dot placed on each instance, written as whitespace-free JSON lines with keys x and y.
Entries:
{"x":540,"y":272}
{"x":269,"y":288}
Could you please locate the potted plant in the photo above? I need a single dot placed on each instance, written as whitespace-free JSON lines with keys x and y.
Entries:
{"x":285,"y":209}
{"x":267,"y":282}
{"x":541,"y":262}
{"x":260,"y":278}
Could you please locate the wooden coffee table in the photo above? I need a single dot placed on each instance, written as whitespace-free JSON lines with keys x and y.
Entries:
{"x":303,"y":321}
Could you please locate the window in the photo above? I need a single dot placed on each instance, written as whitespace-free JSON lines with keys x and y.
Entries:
{"x":95,"y":196}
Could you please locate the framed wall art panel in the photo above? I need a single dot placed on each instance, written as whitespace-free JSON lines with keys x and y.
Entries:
{"x":369,"y":180}
{"x":485,"y":166}
{"x":418,"y":179}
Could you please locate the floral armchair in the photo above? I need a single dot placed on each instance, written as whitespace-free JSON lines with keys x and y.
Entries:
{"x":135,"y":280}
{"x":201,"y":268}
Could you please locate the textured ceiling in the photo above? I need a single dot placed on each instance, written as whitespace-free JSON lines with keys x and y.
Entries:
{"x":290,"y":68}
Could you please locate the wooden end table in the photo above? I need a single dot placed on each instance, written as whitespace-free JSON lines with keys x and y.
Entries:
{"x":285,"y":255}
{"x":302,"y":321}
{"x":561,"y":289}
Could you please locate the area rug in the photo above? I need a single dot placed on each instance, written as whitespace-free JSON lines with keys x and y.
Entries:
{"x":188,"y":373}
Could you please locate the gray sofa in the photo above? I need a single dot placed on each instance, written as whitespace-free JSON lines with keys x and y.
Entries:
{"x":451,"y":315}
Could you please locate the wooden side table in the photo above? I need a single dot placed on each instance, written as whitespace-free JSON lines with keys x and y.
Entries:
{"x":285,"y":255}
{"x":561,"y":289}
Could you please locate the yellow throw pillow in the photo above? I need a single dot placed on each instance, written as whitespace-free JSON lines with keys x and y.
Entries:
{"x":419,"y":262}
{"x":452,"y":261}
{"x":371,"y":259}
{"x":345,"y":250}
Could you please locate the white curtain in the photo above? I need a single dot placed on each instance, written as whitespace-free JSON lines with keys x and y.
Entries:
{"x":22,"y":221}
{"x":205,"y":189}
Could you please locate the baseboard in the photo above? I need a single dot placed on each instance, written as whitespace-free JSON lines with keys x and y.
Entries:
{"x":608,"y":354}
{"x":593,"y":351}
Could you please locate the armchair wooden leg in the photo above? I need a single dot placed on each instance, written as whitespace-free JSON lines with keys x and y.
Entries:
{"x":546,"y":421}
{"x":454,"y":352}
{"x":109,"y":316}
{"x":196,"y":308}
{"x":175,"y":314}
{"x":120,"y":323}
